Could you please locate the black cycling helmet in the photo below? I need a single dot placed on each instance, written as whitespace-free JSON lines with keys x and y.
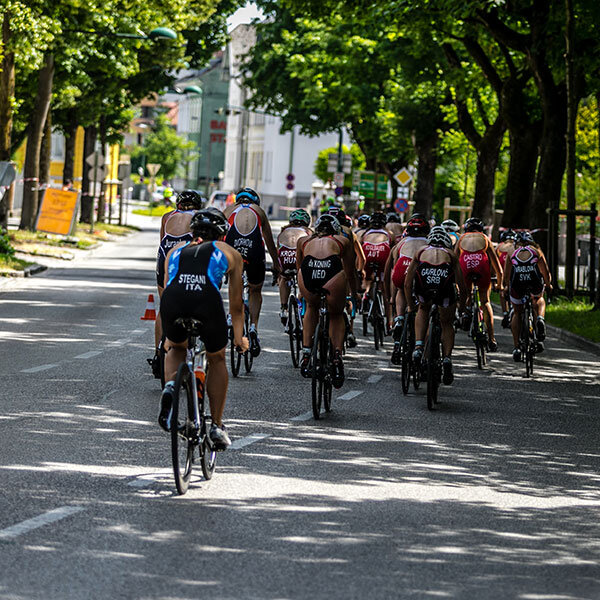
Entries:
{"x":327,"y":225}
{"x":393,"y":217}
{"x":474,"y":224}
{"x":417,"y":226}
{"x":189,"y":198}
{"x":209,"y":223}
{"x":378,"y":220}
{"x":343,"y":218}
{"x":300,"y":218}
{"x":364,"y":221}
{"x":507,"y":234}
{"x":246,"y":195}
{"x":524,"y":238}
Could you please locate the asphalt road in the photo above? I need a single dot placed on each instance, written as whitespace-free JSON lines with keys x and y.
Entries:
{"x":494,"y":495}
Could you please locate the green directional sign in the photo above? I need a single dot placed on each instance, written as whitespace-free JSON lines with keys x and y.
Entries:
{"x":366,"y":184}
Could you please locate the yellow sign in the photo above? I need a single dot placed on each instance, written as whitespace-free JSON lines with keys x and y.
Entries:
{"x":57,"y":212}
{"x":403,"y":176}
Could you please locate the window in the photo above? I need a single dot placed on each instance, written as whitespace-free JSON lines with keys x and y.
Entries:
{"x":268,"y":166}
{"x":57,"y":151}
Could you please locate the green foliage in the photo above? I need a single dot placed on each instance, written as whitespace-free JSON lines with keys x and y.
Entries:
{"x":575,"y":316}
{"x":358,"y":162}
{"x":165,"y":147}
{"x":5,"y":246}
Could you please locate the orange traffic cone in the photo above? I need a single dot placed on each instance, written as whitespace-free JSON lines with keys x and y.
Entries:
{"x":150,"y":314}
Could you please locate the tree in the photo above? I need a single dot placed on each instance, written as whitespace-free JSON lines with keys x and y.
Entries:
{"x":358,"y":162}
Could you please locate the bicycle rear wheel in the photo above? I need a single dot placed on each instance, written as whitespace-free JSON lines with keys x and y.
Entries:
{"x":530,"y":343}
{"x":406,"y":361}
{"x":327,"y":353}
{"x":161,"y":359}
{"x":294,"y":330}
{"x":208,"y":458}
{"x":235,"y":357}
{"x":182,"y":428}
{"x":248,"y":358}
{"x":317,"y":380}
{"x":433,"y":366}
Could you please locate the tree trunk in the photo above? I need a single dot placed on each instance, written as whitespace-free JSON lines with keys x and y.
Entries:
{"x":46,"y":155}
{"x":7,"y":91}
{"x":87,"y":200}
{"x":35,"y":132}
{"x":521,"y":176}
{"x":426,"y":149}
{"x":70,"y":137}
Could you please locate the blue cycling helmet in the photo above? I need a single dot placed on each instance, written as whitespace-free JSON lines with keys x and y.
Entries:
{"x":247,"y":194}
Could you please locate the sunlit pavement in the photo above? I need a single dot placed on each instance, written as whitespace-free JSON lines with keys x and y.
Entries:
{"x":493,"y":495}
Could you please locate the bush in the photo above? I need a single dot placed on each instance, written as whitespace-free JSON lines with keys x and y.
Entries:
{"x":5,"y":247}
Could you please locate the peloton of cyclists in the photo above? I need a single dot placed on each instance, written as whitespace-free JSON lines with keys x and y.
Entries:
{"x":195,"y":270}
{"x":287,"y":241}
{"x":527,"y":273}
{"x":477,"y":258}
{"x":325,"y":261}
{"x":433,"y":272}
{"x":249,"y":232}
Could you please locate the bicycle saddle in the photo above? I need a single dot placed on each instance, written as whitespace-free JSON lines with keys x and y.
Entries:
{"x":192,"y":326}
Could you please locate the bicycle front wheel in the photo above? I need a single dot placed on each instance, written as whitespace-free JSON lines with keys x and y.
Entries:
{"x":235,"y":357}
{"x":182,"y":428}
{"x":248,"y":358}
{"x":208,"y":459}
{"x":406,"y":362}
{"x":317,"y":381}
{"x":433,"y":366}
{"x":327,"y":360}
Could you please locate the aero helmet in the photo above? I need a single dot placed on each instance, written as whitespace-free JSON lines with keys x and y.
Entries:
{"x":247,"y":194}
{"x":300,"y":217}
{"x":474,"y":224}
{"x":327,"y":225}
{"x":210,"y":223}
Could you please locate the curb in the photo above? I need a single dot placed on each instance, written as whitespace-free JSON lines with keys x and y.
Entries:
{"x":566,"y":336}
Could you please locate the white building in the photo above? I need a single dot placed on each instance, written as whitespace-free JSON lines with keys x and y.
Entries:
{"x":256,"y":153}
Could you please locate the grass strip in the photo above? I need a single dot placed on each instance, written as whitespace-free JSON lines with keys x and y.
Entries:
{"x":10,"y":264}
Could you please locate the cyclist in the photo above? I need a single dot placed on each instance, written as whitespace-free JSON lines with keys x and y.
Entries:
{"x":249,"y":232}
{"x":195,"y":271}
{"x":400,"y":258}
{"x":287,"y":240}
{"x":452,"y":229}
{"x":434,"y":270}
{"x":325,"y":261}
{"x":394,"y":226}
{"x":527,"y":273}
{"x":477,"y":257}
{"x":376,"y":243}
{"x":363,"y":224}
{"x":505,"y":248}
{"x":174,"y":228}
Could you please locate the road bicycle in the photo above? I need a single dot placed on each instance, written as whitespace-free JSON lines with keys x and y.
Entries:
{"x":234,"y":355}
{"x":189,"y":423}
{"x":322,"y":361}
{"x":294,"y":321}
{"x":528,"y":337}
{"x":430,"y":369}
{"x":407,"y":344}
{"x":376,"y":314}
{"x":478,"y":332}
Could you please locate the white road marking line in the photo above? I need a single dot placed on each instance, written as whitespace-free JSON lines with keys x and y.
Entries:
{"x":89,"y":354}
{"x":141,"y":483}
{"x":44,"y":519}
{"x":303,"y":417}
{"x":249,"y":439}
{"x":38,"y":369}
{"x":374,"y":378}
{"x":121,"y":342}
{"x":349,"y":395}
{"x":138,"y":331}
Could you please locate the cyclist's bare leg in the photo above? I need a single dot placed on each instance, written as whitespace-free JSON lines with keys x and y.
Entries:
{"x":488,"y":313}
{"x":336,"y":301}
{"x":254,"y":301}
{"x":515,"y":324}
{"x":158,"y":322}
{"x":217,"y":380}
{"x":175,"y":355}
{"x":284,"y":290}
{"x":311,"y":316}
{"x":447,"y":322}
{"x":539,"y":306}
{"x":421,"y":321}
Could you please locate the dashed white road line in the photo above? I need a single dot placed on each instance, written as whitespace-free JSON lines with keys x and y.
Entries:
{"x":44,"y":519}
{"x":351,"y":394}
{"x":249,"y":439}
{"x":303,"y":417}
{"x":121,"y":342}
{"x":374,"y":378}
{"x":38,"y":369}
{"x":89,"y":354}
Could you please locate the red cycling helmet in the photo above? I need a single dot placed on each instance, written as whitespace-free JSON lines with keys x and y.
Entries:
{"x":417,"y":227}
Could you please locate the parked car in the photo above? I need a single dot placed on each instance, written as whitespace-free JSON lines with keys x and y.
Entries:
{"x":218,"y":199}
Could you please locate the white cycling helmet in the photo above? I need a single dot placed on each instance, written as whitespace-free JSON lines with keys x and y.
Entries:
{"x":450,"y":226}
{"x":439,"y":238}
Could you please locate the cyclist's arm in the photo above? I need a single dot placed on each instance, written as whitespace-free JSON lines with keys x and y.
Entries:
{"x":349,"y":262}
{"x":460,"y":280}
{"x":408,"y":282}
{"x":491,"y":252}
{"x":268,"y":237}
{"x":300,"y":251}
{"x":236,"y":304}
{"x":360,"y":253}
{"x":544,"y":270}
{"x":506,"y":276}
{"x":387,"y":276}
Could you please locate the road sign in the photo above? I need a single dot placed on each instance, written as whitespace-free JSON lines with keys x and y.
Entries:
{"x":366,"y":185}
{"x":97,"y":175}
{"x":57,"y":211}
{"x":290,"y":177}
{"x":152,"y":168}
{"x":290,"y":186}
{"x":7,"y":173}
{"x":332,"y":163}
{"x":401,"y":205}
{"x":403,"y":176}
{"x":339,"y":191}
{"x":338,"y":179}
{"x":95,"y":158}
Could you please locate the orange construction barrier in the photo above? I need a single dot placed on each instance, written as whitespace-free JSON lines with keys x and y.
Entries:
{"x":150,"y":314}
